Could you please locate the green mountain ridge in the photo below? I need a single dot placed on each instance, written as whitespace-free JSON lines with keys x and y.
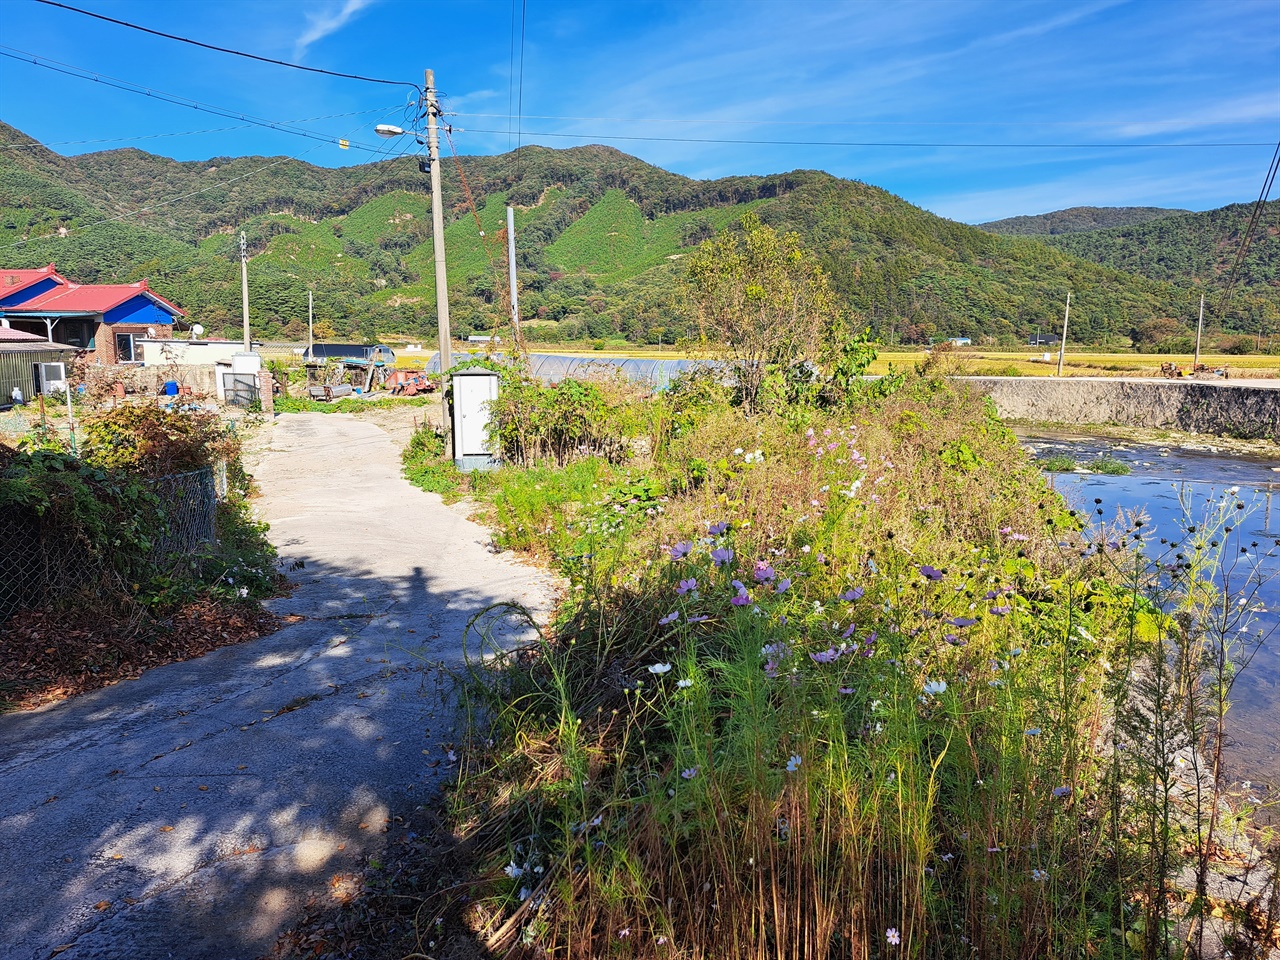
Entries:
{"x":1078,"y":219}
{"x":600,"y":239}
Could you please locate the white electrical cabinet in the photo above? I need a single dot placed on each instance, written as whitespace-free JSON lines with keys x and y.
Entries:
{"x":473,"y":391}
{"x":51,"y":377}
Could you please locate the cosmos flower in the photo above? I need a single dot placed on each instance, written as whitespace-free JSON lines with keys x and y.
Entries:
{"x":931,"y":573}
{"x":659,"y":668}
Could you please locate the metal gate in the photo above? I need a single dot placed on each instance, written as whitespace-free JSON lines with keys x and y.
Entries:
{"x":240,"y":389}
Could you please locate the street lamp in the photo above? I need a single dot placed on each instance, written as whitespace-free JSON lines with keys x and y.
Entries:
{"x":389,"y":131}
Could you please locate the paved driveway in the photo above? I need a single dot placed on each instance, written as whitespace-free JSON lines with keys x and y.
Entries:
{"x":189,"y":813}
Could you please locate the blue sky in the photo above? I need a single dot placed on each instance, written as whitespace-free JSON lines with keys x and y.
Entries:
{"x":974,"y":110}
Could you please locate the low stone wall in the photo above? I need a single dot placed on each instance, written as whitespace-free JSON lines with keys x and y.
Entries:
{"x":1229,"y":408}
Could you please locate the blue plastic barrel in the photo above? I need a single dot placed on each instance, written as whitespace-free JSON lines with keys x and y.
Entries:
{"x":171,"y":388}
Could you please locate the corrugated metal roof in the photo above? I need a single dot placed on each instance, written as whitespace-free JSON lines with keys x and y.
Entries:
{"x":13,"y":280}
{"x":37,"y":346}
{"x":90,"y":298}
{"x":10,"y":335}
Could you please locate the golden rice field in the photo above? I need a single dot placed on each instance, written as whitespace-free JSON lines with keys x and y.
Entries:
{"x":974,"y":362}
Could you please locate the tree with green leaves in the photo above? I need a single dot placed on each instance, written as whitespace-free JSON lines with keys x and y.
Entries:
{"x":761,"y":300}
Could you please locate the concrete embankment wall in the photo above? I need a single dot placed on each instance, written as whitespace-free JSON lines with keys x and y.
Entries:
{"x":1227,"y":408}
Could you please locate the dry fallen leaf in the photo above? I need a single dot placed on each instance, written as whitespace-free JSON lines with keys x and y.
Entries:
{"x":166,"y":829}
{"x":117,"y":856}
{"x":102,"y":905}
{"x":202,"y":787}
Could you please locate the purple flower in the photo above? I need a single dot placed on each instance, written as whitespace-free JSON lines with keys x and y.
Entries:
{"x":686,"y":586}
{"x":849,"y":632}
{"x":952,"y":639}
{"x":1061,"y":792}
{"x":771,"y":669}
{"x":1001,"y":611}
{"x":851,"y":595}
{"x":844,"y":691}
{"x":721,"y":556}
{"x":1018,"y":536}
{"x":762,"y":572}
{"x":697,"y":619}
{"x":930,"y":573}
{"x":893,"y":936}
{"x":671,"y":617}
{"x":991,"y":595}
{"x":829,"y":655}
{"x":690,"y":773}
{"x":782,"y":586}
{"x":962,"y":621}
{"x":680,"y":550}
{"x":741,"y":600}
{"x":718,"y":528}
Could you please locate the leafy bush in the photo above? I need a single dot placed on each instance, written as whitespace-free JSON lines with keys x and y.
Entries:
{"x":1109,"y":465}
{"x":153,"y":442}
{"x":1057,"y":463}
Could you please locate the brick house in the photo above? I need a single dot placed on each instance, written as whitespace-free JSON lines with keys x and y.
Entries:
{"x":103,"y":319}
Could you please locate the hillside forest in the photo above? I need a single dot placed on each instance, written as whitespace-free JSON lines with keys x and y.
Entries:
{"x":601,"y":245}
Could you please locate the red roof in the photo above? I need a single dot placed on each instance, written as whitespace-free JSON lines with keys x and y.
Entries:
{"x":11,"y":281}
{"x":10,"y":335}
{"x":90,"y":298}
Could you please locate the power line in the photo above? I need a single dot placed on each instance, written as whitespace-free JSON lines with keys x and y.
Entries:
{"x":1254,"y":218}
{"x":228,"y":50}
{"x":185,"y":133}
{"x":524,"y":19}
{"x":187,"y":196}
{"x":1184,"y":121}
{"x":47,"y":63}
{"x":874,"y":143}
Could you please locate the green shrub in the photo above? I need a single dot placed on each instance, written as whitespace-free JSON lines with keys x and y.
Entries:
{"x":1109,"y":465}
{"x":427,"y":467}
{"x":1057,"y":463}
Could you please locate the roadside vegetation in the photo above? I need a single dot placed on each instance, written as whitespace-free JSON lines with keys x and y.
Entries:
{"x":838,"y":675}
{"x":117,"y":556}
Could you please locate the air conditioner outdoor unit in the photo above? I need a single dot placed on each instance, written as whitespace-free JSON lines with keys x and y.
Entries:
{"x":51,"y":377}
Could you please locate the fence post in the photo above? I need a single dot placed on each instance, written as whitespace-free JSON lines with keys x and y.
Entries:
{"x":266,"y":395}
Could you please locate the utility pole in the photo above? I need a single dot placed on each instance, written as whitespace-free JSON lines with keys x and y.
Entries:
{"x":511,"y":271}
{"x":1199,"y":328}
{"x":437,"y":239}
{"x":311,"y":334}
{"x":1062,"y":345}
{"x":244,"y":289}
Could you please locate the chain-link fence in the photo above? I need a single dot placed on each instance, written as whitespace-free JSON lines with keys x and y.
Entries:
{"x":42,"y":561}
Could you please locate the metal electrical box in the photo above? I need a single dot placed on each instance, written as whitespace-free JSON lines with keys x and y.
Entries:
{"x":473,"y":391}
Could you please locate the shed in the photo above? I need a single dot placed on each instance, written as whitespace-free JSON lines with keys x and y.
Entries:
{"x":20,"y":354}
{"x":350,"y":351}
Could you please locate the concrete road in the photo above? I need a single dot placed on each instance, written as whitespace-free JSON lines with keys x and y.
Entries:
{"x":189,"y":813}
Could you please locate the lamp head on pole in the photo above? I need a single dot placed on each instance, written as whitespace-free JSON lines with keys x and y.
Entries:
{"x":388,"y":130}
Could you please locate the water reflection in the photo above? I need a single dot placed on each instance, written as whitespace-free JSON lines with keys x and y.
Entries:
{"x":1162,"y":479}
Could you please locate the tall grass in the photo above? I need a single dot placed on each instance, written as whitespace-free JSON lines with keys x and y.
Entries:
{"x":834,"y":684}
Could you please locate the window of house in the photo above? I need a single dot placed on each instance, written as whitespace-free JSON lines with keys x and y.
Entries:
{"x":124,"y":348}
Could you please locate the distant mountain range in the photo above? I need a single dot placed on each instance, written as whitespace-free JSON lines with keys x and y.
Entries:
{"x":600,"y":240}
{"x":1078,"y":219}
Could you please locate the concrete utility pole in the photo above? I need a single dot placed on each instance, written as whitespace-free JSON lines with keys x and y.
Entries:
{"x":1062,"y":345}
{"x":311,"y":332}
{"x":511,"y":271}
{"x":437,"y":232}
{"x":437,"y":244}
{"x":244,"y":289}
{"x":1199,"y":328}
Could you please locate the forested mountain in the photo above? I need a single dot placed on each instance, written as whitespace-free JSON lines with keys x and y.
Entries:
{"x":600,"y":242}
{"x":1077,"y":219}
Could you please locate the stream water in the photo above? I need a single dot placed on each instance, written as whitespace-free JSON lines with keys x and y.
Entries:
{"x":1162,"y":479}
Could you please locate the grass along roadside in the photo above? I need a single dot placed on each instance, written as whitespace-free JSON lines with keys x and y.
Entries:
{"x":834,"y":683}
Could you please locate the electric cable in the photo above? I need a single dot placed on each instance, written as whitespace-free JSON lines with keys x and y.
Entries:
{"x":876,"y":143}
{"x":524,"y":19}
{"x":227,"y":50}
{"x":186,"y":196}
{"x":184,"y":133}
{"x":1255,"y":218}
{"x":127,"y":86}
{"x":858,"y":123}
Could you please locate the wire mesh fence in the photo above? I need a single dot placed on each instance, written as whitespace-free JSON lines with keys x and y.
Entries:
{"x":43,"y":561}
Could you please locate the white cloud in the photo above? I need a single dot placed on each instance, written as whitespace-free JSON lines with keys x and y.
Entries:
{"x":326,"y":22}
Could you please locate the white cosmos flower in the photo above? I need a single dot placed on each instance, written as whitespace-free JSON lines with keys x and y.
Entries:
{"x":660,"y":668}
